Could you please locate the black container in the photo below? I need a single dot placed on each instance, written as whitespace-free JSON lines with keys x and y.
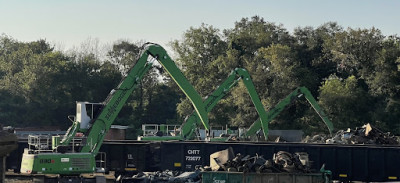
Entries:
{"x":347,"y":162}
{"x":124,"y":156}
{"x":366,"y":163}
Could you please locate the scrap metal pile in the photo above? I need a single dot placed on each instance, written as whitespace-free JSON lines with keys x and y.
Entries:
{"x":164,"y":177}
{"x":361,"y":135}
{"x":281,"y":162}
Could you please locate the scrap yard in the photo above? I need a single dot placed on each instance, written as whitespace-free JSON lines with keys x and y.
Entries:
{"x":224,"y":91}
{"x":179,"y":153}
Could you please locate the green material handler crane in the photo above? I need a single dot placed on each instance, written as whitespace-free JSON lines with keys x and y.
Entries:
{"x":93,"y":120}
{"x":193,"y":122}
{"x":271,"y":114}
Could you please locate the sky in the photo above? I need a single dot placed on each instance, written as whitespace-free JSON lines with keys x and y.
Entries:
{"x":68,"y":23}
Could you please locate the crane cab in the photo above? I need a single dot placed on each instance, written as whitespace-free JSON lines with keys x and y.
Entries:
{"x":86,"y":111}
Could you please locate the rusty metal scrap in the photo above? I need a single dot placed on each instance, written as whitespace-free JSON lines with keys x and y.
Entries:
{"x":219,"y":158}
{"x":366,"y":134}
{"x":165,"y":177}
{"x":281,"y":162}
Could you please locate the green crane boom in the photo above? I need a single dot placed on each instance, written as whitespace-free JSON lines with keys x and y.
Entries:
{"x":271,"y":114}
{"x":191,"y":124}
{"x":126,"y":87}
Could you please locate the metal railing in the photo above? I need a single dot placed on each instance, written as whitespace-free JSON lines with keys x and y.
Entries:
{"x":160,"y":130}
{"x":39,"y":143}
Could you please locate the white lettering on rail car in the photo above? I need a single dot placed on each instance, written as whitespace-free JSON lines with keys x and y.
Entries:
{"x":193,"y":158}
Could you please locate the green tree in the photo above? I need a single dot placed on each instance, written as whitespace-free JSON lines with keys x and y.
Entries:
{"x":123,"y":54}
{"x":354,"y":51}
{"x":249,"y":35}
{"x":44,"y":84}
{"x":196,"y":53}
{"x":162,"y":106}
{"x":345,"y":102}
{"x":384,"y":85}
{"x":312,"y":53}
{"x":354,"y":73}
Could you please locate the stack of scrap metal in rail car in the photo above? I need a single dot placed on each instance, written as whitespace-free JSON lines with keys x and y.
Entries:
{"x":366,"y":134}
{"x":166,"y":176}
{"x":283,"y":167}
{"x":281,"y":162}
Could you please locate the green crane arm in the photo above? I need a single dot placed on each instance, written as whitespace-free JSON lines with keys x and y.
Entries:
{"x":234,"y":77}
{"x":69,"y":135}
{"x":117,"y":98}
{"x":271,"y":114}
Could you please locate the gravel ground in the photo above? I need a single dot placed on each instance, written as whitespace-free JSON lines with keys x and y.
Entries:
{"x":17,"y":181}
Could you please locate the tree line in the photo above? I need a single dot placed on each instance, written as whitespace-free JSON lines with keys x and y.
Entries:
{"x":353,"y":73}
